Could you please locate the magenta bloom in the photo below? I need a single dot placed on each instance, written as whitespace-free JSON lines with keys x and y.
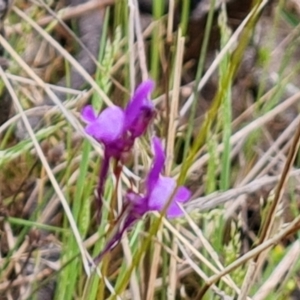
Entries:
{"x":159,"y":189}
{"x":117,"y":128}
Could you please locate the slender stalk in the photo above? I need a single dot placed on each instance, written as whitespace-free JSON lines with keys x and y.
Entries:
{"x":185,"y":16}
{"x":199,"y":73}
{"x":102,"y":178}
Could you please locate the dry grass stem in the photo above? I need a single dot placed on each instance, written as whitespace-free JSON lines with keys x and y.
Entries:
{"x":244,"y":132}
{"x":277,"y":276}
{"x":65,"y":54}
{"x":173,"y":115}
{"x":173,"y":277}
{"x":215,"y":199}
{"x":230,"y":45}
{"x":154,"y":265}
{"x":86,"y":259}
{"x":140,"y":43}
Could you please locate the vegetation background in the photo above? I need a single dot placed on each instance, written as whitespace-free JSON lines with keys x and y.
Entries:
{"x":227,"y":100}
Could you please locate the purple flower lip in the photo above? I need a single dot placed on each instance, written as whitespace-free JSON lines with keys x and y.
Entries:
{"x":117,"y":128}
{"x":159,"y":189}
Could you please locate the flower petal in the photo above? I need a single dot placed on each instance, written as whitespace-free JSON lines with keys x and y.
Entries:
{"x":88,"y":114}
{"x":108,"y":126}
{"x":140,"y":98}
{"x":174,"y":211}
{"x":141,"y":122}
{"x":182,"y":195}
{"x":161,"y":193}
{"x":158,"y":164}
{"x":140,"y":103}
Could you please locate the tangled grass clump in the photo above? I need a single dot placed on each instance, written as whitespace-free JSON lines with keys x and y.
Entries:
{"x":191,"y":193}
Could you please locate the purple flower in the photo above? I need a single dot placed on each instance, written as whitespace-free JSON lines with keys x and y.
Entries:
{"x":159,"y":190}
{"x":117,"y":128}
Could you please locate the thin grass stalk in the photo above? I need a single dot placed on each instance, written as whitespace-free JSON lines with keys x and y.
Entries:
{"x":131,"y":48}
{"x":266,"y":63}
{"x":279,"y":89}
{"x":125,"y":277}
{"x":97,"y":102}
{"x":213,"y":200}
{"x":16,"y":266}
{"x":173,"y":123}
{"x":8,"y":265}
{"x":201,"y":274}
{"x":134,"y":245}
{"x":170,"y":21}
{"x":67,"y":13}
{"x":154,"y":266}
{"x":209,"y":249}
{"x":185,"y":14}
{"x":70,"y":275}
{"x":4,"y":139}
{"x":173,"y":115}
{"x":57,"y":20}
{"x":247,"y":281}
{"x":292,"y":228}
{"x":126,"y":24}
{"x":134,"y":282}
{"x":105,"y":262}
{"x":145,"y":265}
{"x":283,"y":271}
{"x":103,"y":36}
{"x":200,"y":68}
{"x":212,"y":164}
{"x":226,"y":105}
{"x":93,"y":283}
{"x":166,"y":260}
{"x":156,"y":40}
{"x":104,"y":271}
{"x":89,"y":292}
{"x":267,"y":226}
{"x":29,"y":223}
{"x":254,"y":173}
{"x":171,"y":294}
{"x":140,"y":44}
{"x":199,"y":256}
{"x":119,"y":6}
{"x":134,"y":279}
